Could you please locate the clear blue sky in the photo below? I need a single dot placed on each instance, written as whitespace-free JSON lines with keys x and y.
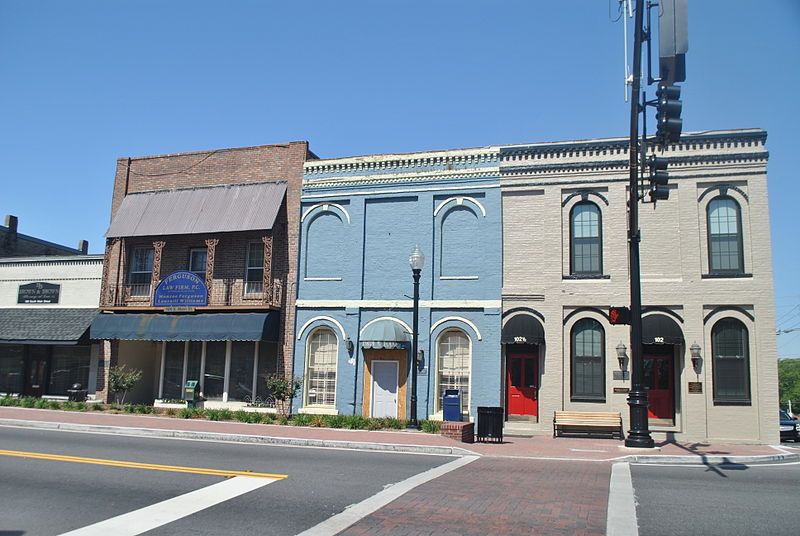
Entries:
{"x":85,"y":82}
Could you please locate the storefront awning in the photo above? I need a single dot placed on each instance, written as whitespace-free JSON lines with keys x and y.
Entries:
{"x":523,"y":329}
{"x":201,"y":327}
{"x":46,"y":325}
{"x":384,"y":335}
{"x":660,"y":329}
{"x":215,"y":209}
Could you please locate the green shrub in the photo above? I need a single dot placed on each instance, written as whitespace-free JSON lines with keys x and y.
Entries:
{"x":430,"y":427}
{"x":241,"y":415}
{"x":283,"y":390}
{"x":267,"y":418}
{"x":98,"y":407}
{"x":81,"y":406}
{"x":144,"y":409}
{"x":394,"y":424}
{"x":334,"y":421}
{"x":186,"y":413}
{"x":212,"y":414}
{"x":283,"y":419}
{"x":54,"y":404}
{"x":27,"y":402}
{"x":129,"y":408}
{"x":355,"y":422}
{"x":375,"y":424}
{"x":225,"y":415}
{"x":9,"y":401}
{"x":41,"y":404}
{"x":318,"y":421}
{"x":68,"y":405}
{"x":121,"y":380}
{"x":170,"y":412}
{"x":301,"y":419}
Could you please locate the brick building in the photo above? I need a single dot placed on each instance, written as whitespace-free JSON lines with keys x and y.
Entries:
{"x":15,"y":244}
{"x":199,"y":275}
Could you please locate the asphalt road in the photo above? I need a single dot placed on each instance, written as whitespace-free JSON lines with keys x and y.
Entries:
{"x":45,"y":496}
{"x":717,"y":500}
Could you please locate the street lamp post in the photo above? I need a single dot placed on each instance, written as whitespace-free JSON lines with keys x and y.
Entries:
{"x":417,"y":261}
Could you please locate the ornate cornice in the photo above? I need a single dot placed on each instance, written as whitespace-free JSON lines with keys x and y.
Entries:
{"x":388,"y":163}
{"x":400,"y":178}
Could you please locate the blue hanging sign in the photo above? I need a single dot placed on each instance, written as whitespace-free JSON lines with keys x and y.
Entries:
{"x":181,"y":289}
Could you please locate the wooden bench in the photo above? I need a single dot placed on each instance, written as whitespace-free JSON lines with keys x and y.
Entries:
{"x":585,"y":422}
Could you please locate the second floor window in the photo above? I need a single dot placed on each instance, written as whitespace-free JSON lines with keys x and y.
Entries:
{"x":725,"y":236}
{"x":586,"y":240}
{"x":197,"y":262}
{"x":141,"y":272}
{"x":254,"y":278}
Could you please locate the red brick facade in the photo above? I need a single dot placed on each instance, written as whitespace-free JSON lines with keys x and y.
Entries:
{"x":227,"y":252}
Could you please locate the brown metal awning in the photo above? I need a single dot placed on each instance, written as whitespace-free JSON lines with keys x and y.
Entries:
{"x":217,"y":209}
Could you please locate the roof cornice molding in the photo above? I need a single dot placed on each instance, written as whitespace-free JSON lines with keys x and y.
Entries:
{"x":378,"y":180}
{"x":530,"y":168}
{"x":576,"y":149}
{"x":388,"y":163}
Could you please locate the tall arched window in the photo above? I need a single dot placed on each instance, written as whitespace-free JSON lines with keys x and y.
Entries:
{"x":323,"y":349}
{"x":453,"y":361}
{"x":729,"y":348}
{"x":588,"y":361}
{"x":725,"y":255}
{"x":586,"y":240}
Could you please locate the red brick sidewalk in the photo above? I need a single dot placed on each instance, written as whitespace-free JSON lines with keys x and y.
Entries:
{"x":494,"y":496}
{"x":533,"y":447}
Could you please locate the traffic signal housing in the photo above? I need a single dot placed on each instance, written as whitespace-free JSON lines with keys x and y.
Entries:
{"x":619,"y":315}
{"x":668,"y":115}
{"x":658,"y":179}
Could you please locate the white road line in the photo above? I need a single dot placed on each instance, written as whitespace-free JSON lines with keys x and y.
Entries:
{"x":621,"y":519}
{"x":716,"y":465}
{"x":156,"y":515}
{"x":356,"y":512}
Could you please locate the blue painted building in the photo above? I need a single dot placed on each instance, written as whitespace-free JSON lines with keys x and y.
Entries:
{"x":361,"y":217}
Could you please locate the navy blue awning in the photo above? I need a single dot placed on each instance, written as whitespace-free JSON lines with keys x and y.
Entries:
{"x":200,"y":327}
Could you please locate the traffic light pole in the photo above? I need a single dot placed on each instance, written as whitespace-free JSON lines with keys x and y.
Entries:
{"x":639,"y":434}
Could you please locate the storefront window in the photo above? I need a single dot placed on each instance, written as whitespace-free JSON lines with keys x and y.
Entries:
{"x":215,"y":370}
{"x":70,"y":365}
{"x":195,"y":356}
{"x":240,"y":386}
{"x":11,"y":363}
{"x":173,"y":371}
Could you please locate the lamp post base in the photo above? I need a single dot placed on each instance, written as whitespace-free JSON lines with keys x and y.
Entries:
{"x":639,"y":434}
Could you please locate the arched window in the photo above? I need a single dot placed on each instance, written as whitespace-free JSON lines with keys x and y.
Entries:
{"x":729,"y":347}
{"x":725,"y":255}
{"x":323,"y":349}
{"x":453,"y":361}
{"x":588,"y":361}
{"x":586,"y":240}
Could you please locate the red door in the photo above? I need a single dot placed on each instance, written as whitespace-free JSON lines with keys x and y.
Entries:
{"x":522,"y":379}
{"x":659,"y":379}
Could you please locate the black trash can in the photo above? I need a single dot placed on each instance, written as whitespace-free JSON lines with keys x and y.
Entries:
{"x":490,"y":424}
{"x":451,"y":405}
{"x":76,"y":394}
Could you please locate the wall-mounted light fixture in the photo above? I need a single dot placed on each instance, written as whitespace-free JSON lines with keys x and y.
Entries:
{"x":349,"y":345}
{"x":421,"y":359}
{"x":697,"y":360}
{"x":622,"y":356}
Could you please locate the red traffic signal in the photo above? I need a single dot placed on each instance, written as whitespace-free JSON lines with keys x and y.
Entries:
{"x":619,"y":315}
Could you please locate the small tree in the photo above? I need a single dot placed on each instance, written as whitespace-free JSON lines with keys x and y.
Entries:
{"x":283,"y":390}
{"x":121,"y":380}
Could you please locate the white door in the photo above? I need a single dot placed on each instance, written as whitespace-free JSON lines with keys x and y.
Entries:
{"x":384,"y":388}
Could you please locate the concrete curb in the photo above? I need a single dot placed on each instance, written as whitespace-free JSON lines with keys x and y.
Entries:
{"x":239,"y":438}
{"x":708,"y":460}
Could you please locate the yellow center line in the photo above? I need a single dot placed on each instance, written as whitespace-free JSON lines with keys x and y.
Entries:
{"x":138,"y":465}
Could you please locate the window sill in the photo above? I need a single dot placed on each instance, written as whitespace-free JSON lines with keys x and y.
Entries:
{"x":322,"y":279}
{"x":726,"y":276}
{"x":319,"y":410}
{"x":589,"y":400}
{"x":732,"y":402}
{"x":587,"y":276}
{"x":459,"y":277}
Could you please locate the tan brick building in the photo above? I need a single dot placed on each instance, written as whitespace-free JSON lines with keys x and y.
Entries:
{"x":707,"y":286}
{"x":199,"y":278}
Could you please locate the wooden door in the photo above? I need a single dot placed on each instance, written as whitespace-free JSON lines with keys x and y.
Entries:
{"x":36,"y":366}
{"x":658,"y":379}
{"x":384,"y":388}
{"x":522,"y":382}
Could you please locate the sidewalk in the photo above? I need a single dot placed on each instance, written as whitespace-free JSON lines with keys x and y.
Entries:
{"x":538,"y":447}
